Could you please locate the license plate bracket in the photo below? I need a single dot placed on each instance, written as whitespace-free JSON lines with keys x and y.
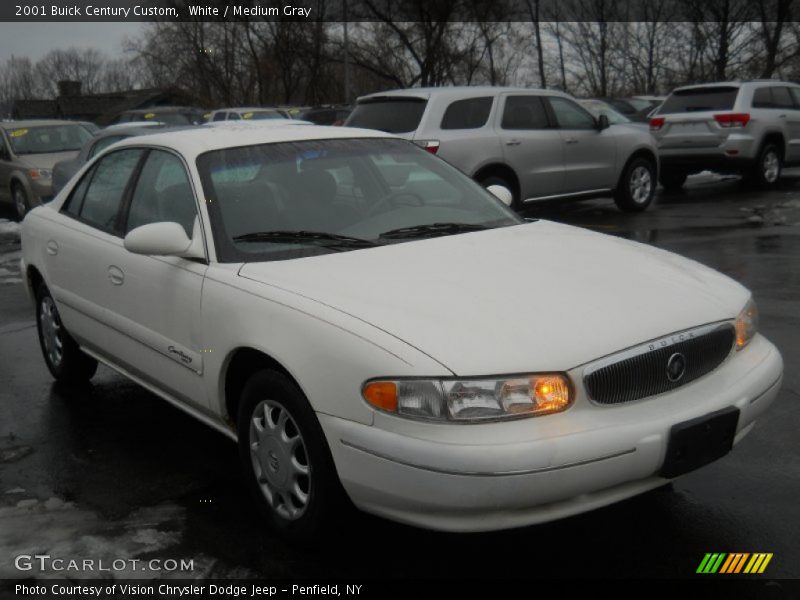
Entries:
{"x":695,"y":443}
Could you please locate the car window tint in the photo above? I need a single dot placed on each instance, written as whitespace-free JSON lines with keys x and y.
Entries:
{"x":795,"y":96}
{"x":569,"y":115}
{"x":220,"y":116}
{"x":762,"y":98}
{"x":524,"y":112}
{"x":390,"y":114}
{"x":103,"y":197}
{"x":700,"y":99}
{"x":163,"y":193}
{"x":471,"y":113}
{"x":104,"y":143}
{"x":781,"y":98}
{"x":234,"y":117}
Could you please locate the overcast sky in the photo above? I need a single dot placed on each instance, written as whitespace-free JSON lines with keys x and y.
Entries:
{"x":36,"y":39}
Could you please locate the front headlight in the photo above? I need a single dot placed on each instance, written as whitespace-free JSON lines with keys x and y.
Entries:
{"x":465,"y":400}
{"x":746,"y":324}
{"x":40,"y":174}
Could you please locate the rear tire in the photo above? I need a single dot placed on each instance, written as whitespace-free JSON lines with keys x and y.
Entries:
{"x":497,"y":180}
{"x":767,"y":170}
{"x":64,"y":358}
{"x":672,"y":181}
{"x":637,"y":185}
{"x":286,"y":459}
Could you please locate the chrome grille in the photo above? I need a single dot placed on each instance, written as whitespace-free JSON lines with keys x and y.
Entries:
{"x":642,"y":371}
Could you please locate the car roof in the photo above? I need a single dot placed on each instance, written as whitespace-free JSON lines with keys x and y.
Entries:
{"x":194,"y":141}
{"x":37,"y":123}
{"x":246,"y":108}
{"x":457,"y":90}
{"x":162,"y":109}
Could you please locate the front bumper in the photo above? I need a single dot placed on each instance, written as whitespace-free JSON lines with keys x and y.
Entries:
{"x":502,"y":475}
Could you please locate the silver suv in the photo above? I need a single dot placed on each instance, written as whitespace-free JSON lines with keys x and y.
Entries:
{"x":539,"y":144}
{"x":748,"y":127}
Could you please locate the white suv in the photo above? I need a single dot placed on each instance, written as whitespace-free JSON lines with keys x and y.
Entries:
{"x":539,"y":144}
{"x":749,"y":127}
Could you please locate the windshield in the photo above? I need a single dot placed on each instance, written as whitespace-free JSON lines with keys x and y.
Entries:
{"x":393,"y":115}
{"x":293,"y":199}
{"x":48,"y":138}
{"x":598,"y":107}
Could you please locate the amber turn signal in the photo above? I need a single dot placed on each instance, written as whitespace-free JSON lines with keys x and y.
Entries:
{"x":381,"y":394}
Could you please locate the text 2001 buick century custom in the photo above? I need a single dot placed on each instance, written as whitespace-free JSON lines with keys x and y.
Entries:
{"x":368,"y":321}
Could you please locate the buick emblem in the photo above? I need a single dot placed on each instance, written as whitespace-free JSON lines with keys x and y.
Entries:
{"x":676,"y":367}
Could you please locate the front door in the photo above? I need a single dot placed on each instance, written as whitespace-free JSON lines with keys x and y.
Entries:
{"x":590,"y":155}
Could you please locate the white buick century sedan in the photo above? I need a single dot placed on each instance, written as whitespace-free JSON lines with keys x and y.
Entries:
{"x":371,"y":324}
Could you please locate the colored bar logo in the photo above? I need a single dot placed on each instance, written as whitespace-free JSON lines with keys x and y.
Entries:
{"x":734,"y":562}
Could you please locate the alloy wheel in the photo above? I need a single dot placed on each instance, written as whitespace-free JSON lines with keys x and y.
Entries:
{"x":20,"y":201}
{"x":51,"y":331}
{"x":280,"y":460}
{"x":771,"y":166}
{"x":640,"y":184}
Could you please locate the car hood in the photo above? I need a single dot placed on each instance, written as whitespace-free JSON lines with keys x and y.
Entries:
{"x":46,"y":161}
{"x":540,"y":296}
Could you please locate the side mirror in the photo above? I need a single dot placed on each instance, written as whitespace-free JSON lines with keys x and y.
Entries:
{"x":602,"y":122}
{"x":161,"y":239}
{"x":502,"y":193}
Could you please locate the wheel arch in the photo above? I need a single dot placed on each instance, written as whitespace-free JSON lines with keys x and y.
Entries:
{"x":643,"y":152}
{"x":775,"y":137}
{"x":33,"y":279}
{"x":239,"y":364}
{"x":502,"y":170}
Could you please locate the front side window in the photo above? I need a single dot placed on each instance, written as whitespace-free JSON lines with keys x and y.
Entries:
{"x":569,"y":115}
{"x":98,"y":197}
{"x":294,"y":199}
{"x":163,"y":193}
{"x":524,"y":112}
{"x":471,"y":113}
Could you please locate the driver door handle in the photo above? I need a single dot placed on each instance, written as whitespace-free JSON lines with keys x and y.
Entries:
{"x":52,"y":247}
{"x":570,"y":140}
{"x":513,"y":142}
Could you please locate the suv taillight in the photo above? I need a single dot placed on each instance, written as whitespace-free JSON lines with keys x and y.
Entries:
{"x":732,"y":119}
{"x":431,"y":146}
{"x":656,"y":123}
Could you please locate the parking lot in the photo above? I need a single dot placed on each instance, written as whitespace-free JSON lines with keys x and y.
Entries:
{"x":113,"y":471}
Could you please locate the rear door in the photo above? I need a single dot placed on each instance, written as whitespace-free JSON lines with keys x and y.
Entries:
{"x":77,"y":249}
{"x":532,"y":145}
{"x":590,"y":155}
{"x":689,"y":122}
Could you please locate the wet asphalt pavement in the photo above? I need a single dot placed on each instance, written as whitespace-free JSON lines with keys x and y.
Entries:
{"x":113,"y":471}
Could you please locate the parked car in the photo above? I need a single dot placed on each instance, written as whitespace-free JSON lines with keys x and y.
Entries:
{"x":368,"y":322}
{"x":28,"y":152}
{"x":629,"y":106}
{"x":247,"y":114}
{"x":65,"y":169}
{"x":750,"y":128}
{"x":169,"y":115}
{"x":598,"y":107}
{"x":326,"y":115}
{"x":539,"y":144}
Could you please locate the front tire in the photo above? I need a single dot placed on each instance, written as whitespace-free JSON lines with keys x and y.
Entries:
{"x":62,"y":355}
{"x":286,"y":458}
{"x":636,"y":187}
{"x":21,"y":202}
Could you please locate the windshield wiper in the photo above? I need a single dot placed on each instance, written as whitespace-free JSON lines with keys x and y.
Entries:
{"x":432,"y":229}
{"x":300,"y":236}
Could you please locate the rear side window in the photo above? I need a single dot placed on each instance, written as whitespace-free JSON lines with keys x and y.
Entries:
{"x":98,"y":197}
{"x":392,"y":115}
{"x":471,"y":113}
{"x":795,"y":96}
{"x":524,"y":112}
{"x":700,"y":99}
{"x":219,"y":116}
{"x":772,"y":97}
